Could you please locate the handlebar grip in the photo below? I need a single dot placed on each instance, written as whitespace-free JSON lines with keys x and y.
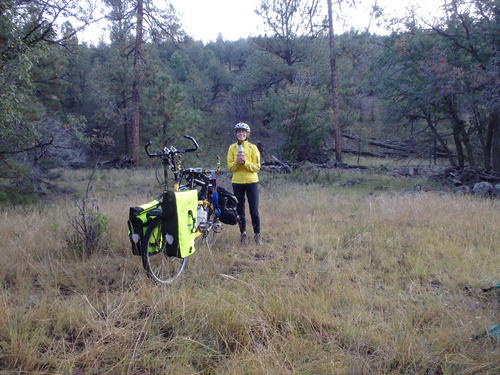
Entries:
{"x":146,"y":148}
{"x":196,"y":147}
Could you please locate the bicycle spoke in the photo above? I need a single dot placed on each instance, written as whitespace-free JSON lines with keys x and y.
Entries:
{"x":160,"y":267}
{"x":210,"y":239}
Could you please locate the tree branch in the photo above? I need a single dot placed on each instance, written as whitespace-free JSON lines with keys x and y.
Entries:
{"x":31,"y":148}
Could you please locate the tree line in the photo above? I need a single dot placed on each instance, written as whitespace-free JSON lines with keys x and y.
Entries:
{"x":433,"y":86}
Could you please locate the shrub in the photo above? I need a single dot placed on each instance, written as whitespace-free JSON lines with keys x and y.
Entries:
{"x":88,"y":229}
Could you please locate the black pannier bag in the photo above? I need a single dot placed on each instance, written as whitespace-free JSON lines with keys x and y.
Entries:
{"x":227,"y":204}
{"x":138,"y":222}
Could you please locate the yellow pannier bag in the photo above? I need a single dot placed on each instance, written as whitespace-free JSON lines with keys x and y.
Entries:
{"x":179,"y":222}
{"x":138,"y":221}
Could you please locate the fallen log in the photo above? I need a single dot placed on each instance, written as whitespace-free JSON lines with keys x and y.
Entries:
{"x":285,"y":166}
{"x":364,"y":153}
{"x":374,"y":142}
{"x":121,"y":162}
{"x":279,"y":166}
{"x":389,"y":146}
{"x":466,"y":176}
{"x":329,"y":164}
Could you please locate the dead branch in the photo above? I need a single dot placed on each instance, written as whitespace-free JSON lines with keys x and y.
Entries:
{"x":31,"y":148}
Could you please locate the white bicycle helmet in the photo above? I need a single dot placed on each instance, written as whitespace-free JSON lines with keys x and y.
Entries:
{"x":242,"y":125}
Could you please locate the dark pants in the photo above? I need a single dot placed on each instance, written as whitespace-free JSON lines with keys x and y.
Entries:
{"x":252,"y":193}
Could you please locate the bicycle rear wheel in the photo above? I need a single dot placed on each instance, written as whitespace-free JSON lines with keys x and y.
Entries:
{"x":209,"y":231}
{"x":159,"y":266}
{"x":212,"y":235}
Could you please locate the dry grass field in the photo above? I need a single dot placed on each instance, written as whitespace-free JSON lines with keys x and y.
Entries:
{"x":347,"y":282}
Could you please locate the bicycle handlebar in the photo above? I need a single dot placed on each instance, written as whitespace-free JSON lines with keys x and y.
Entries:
{"x":172,"y":150}
{"x":196,"y":147}
{"x":147,"y":151}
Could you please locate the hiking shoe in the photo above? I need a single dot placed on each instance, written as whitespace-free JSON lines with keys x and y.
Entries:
{"x":258,"y":239}
{"x":244,"y":238}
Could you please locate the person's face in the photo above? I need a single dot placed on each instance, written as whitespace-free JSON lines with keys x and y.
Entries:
{"x":241,"y":135}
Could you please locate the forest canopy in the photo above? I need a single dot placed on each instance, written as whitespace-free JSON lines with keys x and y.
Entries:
{"x":434,"y":87}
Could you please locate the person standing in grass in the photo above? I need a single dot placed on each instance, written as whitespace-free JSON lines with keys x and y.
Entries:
{"x":243,"y":160}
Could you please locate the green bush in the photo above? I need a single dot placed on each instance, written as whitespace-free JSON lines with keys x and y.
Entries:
{"x":88,"y":232}
{"x":14,"y":195}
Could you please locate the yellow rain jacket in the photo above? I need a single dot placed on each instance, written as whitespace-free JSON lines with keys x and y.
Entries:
{"x":244,"y":173}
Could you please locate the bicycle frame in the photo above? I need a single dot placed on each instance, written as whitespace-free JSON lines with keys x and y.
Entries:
{"x":159,"y":266}
{"x":206,"y":179}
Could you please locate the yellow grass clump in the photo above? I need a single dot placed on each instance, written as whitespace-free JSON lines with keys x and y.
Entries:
{"x":344,"y":284}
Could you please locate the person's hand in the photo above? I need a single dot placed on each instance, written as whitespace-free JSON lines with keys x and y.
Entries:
{"x":241,"y":159}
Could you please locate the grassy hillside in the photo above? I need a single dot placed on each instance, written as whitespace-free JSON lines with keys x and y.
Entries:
{"x":350,"y":281}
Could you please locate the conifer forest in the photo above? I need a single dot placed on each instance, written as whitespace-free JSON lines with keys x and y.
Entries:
{"x":430,"y":87}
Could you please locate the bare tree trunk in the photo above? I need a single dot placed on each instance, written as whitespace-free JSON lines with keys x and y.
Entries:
{"x":126,"y":135}
{"x":494,"y":133}
{"x":464,"y":136}
{"x":458,"y":146}
{"x":123,"y":116}
{"x":481,"y":126}
{"x":495,"y":116}
{"x":333,"y":82}
{"x":468,"y":145}
{"x":440,"y":139}
{"x":136,"y":96}
{"x":459,"y":134}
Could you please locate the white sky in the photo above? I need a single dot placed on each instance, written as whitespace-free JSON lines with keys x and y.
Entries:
{"x":234,"y":19}
{"x":205,"y":19}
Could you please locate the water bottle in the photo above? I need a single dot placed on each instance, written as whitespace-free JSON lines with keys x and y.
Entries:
{"x":240,"y":149}
{"x":202,"y":215}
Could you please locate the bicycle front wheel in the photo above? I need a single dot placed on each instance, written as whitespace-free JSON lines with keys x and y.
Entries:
{"x":159,"y":266}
